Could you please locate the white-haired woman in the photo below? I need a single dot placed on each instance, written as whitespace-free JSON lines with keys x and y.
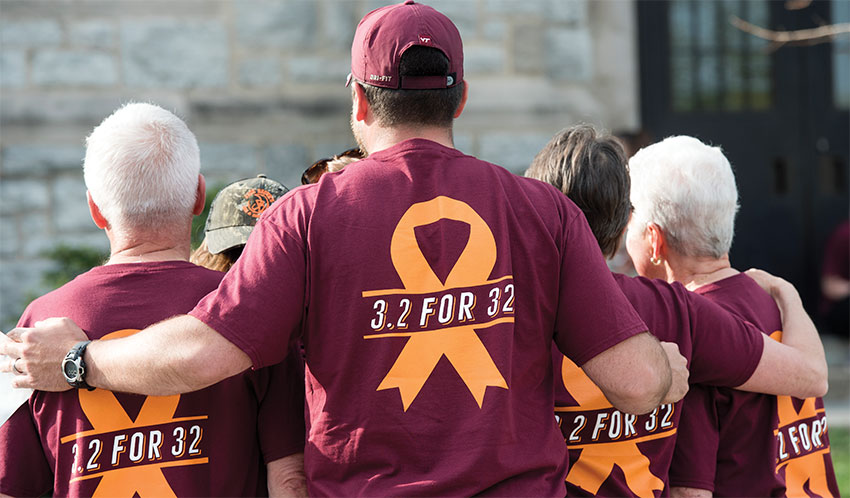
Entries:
{"x":730,"y":443}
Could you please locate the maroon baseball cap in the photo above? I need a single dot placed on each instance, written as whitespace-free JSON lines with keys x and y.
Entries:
{"x":385,"y":33}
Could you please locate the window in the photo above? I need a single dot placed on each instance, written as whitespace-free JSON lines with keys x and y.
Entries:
{"x":715,"y":66}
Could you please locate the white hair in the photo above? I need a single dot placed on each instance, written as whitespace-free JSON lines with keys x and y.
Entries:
{"x":688,"y":189}
{"x":141,"y":167}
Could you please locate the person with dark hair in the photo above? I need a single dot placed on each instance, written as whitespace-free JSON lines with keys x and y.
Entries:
{"x":591,"y":169}
{"x":427,"y":286}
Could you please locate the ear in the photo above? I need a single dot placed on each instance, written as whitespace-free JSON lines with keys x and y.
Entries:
{"x":462,"y":104}
{"x":200,"y":196}
{"x":96,"y":215}
{"x":657,"y":241}
{"x":361,"y":105}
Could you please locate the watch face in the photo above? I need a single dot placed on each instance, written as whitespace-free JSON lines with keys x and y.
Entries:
{"x":70,"y":370}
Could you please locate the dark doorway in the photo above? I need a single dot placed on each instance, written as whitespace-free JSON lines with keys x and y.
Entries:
{"x":779,"y":113}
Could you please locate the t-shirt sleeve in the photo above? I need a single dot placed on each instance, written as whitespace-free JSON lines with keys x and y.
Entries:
{"x":593,"y":314}
{"x":697,"y":442}
{"x":726,"y":349}
{"x":280,"y":421}
{"x":260,"y":302}
{"x":24,"y":470}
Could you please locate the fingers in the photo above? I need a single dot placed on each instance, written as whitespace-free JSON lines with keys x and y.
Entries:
{"x":12,"y":350}
{"x":16,"y":333}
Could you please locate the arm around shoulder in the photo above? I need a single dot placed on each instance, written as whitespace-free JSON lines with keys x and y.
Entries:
{"x":796,"y":366}
{"x":286,"y":477}
{"x":634,"y":374}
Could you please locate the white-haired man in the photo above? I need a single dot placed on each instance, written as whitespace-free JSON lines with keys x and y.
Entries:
{"x":142,"y":174}
{"x":427,"y":286}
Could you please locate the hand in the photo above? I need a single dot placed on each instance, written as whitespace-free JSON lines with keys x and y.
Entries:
{"x":679,"y":370}
{"x":766,"y":281}
{"x":35,"y":354}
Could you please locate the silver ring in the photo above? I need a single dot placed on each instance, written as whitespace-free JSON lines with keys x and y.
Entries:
{"x":15,"y":366}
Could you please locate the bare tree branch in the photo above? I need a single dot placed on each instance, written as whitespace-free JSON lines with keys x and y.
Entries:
{"x":811,"y":36}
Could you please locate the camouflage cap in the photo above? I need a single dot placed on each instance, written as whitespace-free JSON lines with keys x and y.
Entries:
{"x":235,"y":210}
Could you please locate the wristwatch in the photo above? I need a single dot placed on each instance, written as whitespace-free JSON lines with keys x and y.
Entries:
{"x":74,"y":367}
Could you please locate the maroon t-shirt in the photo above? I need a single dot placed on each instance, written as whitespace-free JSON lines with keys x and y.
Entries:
{"x":427,"y":286}
{"x":211,"y":442}
{"x":617,"y":454}
{"x":736,"y":443}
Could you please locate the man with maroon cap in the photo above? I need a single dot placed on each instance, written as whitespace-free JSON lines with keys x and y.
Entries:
{"x":427,"y":287}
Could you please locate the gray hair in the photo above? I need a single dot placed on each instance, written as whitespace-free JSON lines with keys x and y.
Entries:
{"x":688,"y":189}
{"x":141,"y":167}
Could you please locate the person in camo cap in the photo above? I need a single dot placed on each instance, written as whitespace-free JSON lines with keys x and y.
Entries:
{"x":233,"y":213}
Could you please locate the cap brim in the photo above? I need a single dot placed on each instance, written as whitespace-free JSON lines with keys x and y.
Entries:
{"x":222,"y":239}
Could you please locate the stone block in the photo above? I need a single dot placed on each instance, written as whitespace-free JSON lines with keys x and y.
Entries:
{"x":288,"y":24}
{"x":41,"y":159}
{"x":528,"y":50}
{"x":85,"y":109}
{"x":318,"y":70}
{"x":483,"y":59}
{"x":494,"y":31}
{"x":517,"y":7}
{"x":240,"y":159}
{"x":260,"y":72}
{"x":286,"y":162}
{"x":569,"y":54}
{"x":23,"y":196}
{"x":571,"y":12}
{"x":514,"y":151}
{"x":34,"y":234}
{"x":175,"y":54}
{"x":30,"y":33}
{"x":339,"y":20}
{"x":8,"y":236}
{"x":93,"y":33}
{"x":70,"y":209}
{"x":463,"y":13}
{"x":13,"y":69}
{"x":74,"y":67}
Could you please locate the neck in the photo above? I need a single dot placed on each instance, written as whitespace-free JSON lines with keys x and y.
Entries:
{"x":384,"y":138}
{"x":696,"y":272}
{"x":145,"y":248}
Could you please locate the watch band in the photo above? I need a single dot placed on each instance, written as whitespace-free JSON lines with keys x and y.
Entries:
{"x":74,"y":366}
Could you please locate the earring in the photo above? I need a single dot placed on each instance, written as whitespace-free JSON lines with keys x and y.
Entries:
{"x":655,"y":261}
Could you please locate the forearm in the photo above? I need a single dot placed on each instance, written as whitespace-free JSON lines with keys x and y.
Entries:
{"x":677,"y":492}
{"x":178,"y":355}
{"x":799,"y":333}
{"x":634,"y":375}
{"x":286,"y":477}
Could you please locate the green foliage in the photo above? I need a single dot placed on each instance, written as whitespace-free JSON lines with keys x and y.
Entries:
{"x":839,"y":446}
{"x":199,"y":221}
{"x":70,"y":262}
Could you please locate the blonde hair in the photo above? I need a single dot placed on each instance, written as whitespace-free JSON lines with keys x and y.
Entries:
{"x":218,"y":262}
{"x":141,"y":167}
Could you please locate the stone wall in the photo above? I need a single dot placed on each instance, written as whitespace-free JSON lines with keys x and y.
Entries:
{"x":261,"y":85}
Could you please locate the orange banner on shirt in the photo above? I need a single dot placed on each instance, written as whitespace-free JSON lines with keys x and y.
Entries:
{"x":106,"y":415}
{"x":459,"y":344}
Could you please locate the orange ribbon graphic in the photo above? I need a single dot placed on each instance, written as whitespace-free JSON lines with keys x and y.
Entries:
{"x":597,"y":461}
{"x":809,"y":468}
{"x":460,"y":344}
{"x":105,"y":413}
